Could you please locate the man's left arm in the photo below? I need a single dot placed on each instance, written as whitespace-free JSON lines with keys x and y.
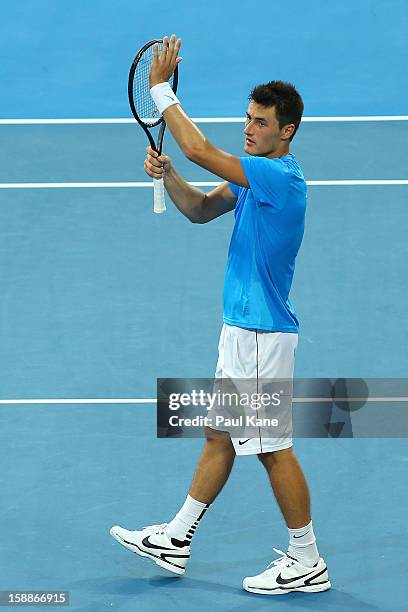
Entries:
{"x":190,"y":139}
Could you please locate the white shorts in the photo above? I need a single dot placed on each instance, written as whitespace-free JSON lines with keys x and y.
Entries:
{"x":254,"y":354}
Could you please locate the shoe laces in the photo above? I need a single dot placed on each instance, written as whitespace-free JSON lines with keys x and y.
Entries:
{"x":284,"y":559}
{"x":157,"y":529}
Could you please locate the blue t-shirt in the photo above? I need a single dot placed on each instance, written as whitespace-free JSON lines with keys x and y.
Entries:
{"x":268,"y":231}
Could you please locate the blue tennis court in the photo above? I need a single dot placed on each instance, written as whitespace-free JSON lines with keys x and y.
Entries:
{"x":100,"y":297}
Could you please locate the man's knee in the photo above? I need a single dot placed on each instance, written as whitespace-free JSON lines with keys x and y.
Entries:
{"x":220,"y":438}
{"x":270,"y":459}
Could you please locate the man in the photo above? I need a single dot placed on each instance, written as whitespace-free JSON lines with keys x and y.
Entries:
{"x":259,"y":336}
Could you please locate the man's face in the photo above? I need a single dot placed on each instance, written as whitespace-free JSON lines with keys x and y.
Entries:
{"x":263,"y":136}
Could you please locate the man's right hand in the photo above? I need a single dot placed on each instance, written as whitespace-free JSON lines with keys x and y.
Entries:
{"x":156,"y":166}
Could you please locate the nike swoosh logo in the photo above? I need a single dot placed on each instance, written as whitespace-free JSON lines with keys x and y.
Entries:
{"x":281,"y":580}
{"x":308,"y":581}
{"x":244,"y":442}
{"x":167,"y":96}
{"x":146,"y":542}
{"x":301,"y":536}
{"x":166,"y":557}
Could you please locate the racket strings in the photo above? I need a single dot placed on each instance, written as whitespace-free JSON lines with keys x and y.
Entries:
{"x":144,"y":104}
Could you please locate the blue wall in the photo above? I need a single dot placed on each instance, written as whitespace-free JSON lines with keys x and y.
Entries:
{"x":65,"y":58}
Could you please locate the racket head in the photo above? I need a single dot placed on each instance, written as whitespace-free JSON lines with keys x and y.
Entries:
{"x":141,"y":103}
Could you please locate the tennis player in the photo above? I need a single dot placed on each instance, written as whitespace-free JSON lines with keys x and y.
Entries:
{"x":259,"y":336}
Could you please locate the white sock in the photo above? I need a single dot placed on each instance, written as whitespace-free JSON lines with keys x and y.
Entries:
{"x":302,"y":545}
{"x":182,"y":528}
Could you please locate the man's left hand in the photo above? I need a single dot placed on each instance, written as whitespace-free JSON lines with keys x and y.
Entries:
{"x":164,"y":64}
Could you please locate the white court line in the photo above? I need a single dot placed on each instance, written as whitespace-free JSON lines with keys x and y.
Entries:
{"x":85,"y":121}
{"x":79,"y":401}
{"x":349,"y":399}
{"x":154,"y":400}
{"x":94,"y":185}
{"x":194,"y":183}
{"x":358,"y":182}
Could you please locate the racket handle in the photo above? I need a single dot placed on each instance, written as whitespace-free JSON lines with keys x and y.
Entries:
{"x":159,"y":201}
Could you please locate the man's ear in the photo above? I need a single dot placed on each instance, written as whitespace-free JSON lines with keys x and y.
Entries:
{"x":288,"y":131}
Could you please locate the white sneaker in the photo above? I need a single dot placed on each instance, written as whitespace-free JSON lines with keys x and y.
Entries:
{"x":153,"y":542}
{"x":285,"y":575}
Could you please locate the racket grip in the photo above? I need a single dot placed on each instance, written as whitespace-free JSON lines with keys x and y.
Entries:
{"x":158,"y":191}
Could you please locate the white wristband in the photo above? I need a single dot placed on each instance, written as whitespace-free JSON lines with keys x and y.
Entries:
{"x":163,"y":96}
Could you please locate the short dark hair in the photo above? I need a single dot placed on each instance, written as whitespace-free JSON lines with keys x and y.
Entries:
{"x":283,"y":96}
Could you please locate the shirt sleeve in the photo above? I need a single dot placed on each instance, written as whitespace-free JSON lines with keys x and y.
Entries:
{"x":268,"y":179}
{"x":234,"y":188}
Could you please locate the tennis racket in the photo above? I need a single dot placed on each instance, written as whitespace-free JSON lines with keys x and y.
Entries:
{"x":144,"y":109}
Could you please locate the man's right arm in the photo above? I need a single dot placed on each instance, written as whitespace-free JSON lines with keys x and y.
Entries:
{"x":197,"y":206}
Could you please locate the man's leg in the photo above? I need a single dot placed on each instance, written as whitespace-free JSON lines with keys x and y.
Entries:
{"x":214,"y":466}
{"x":169,"y":544}
{"x":211,"y":474}
{"x":292,"y":494}
{"x":301,"y":569}
{"x":289,"y":486}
